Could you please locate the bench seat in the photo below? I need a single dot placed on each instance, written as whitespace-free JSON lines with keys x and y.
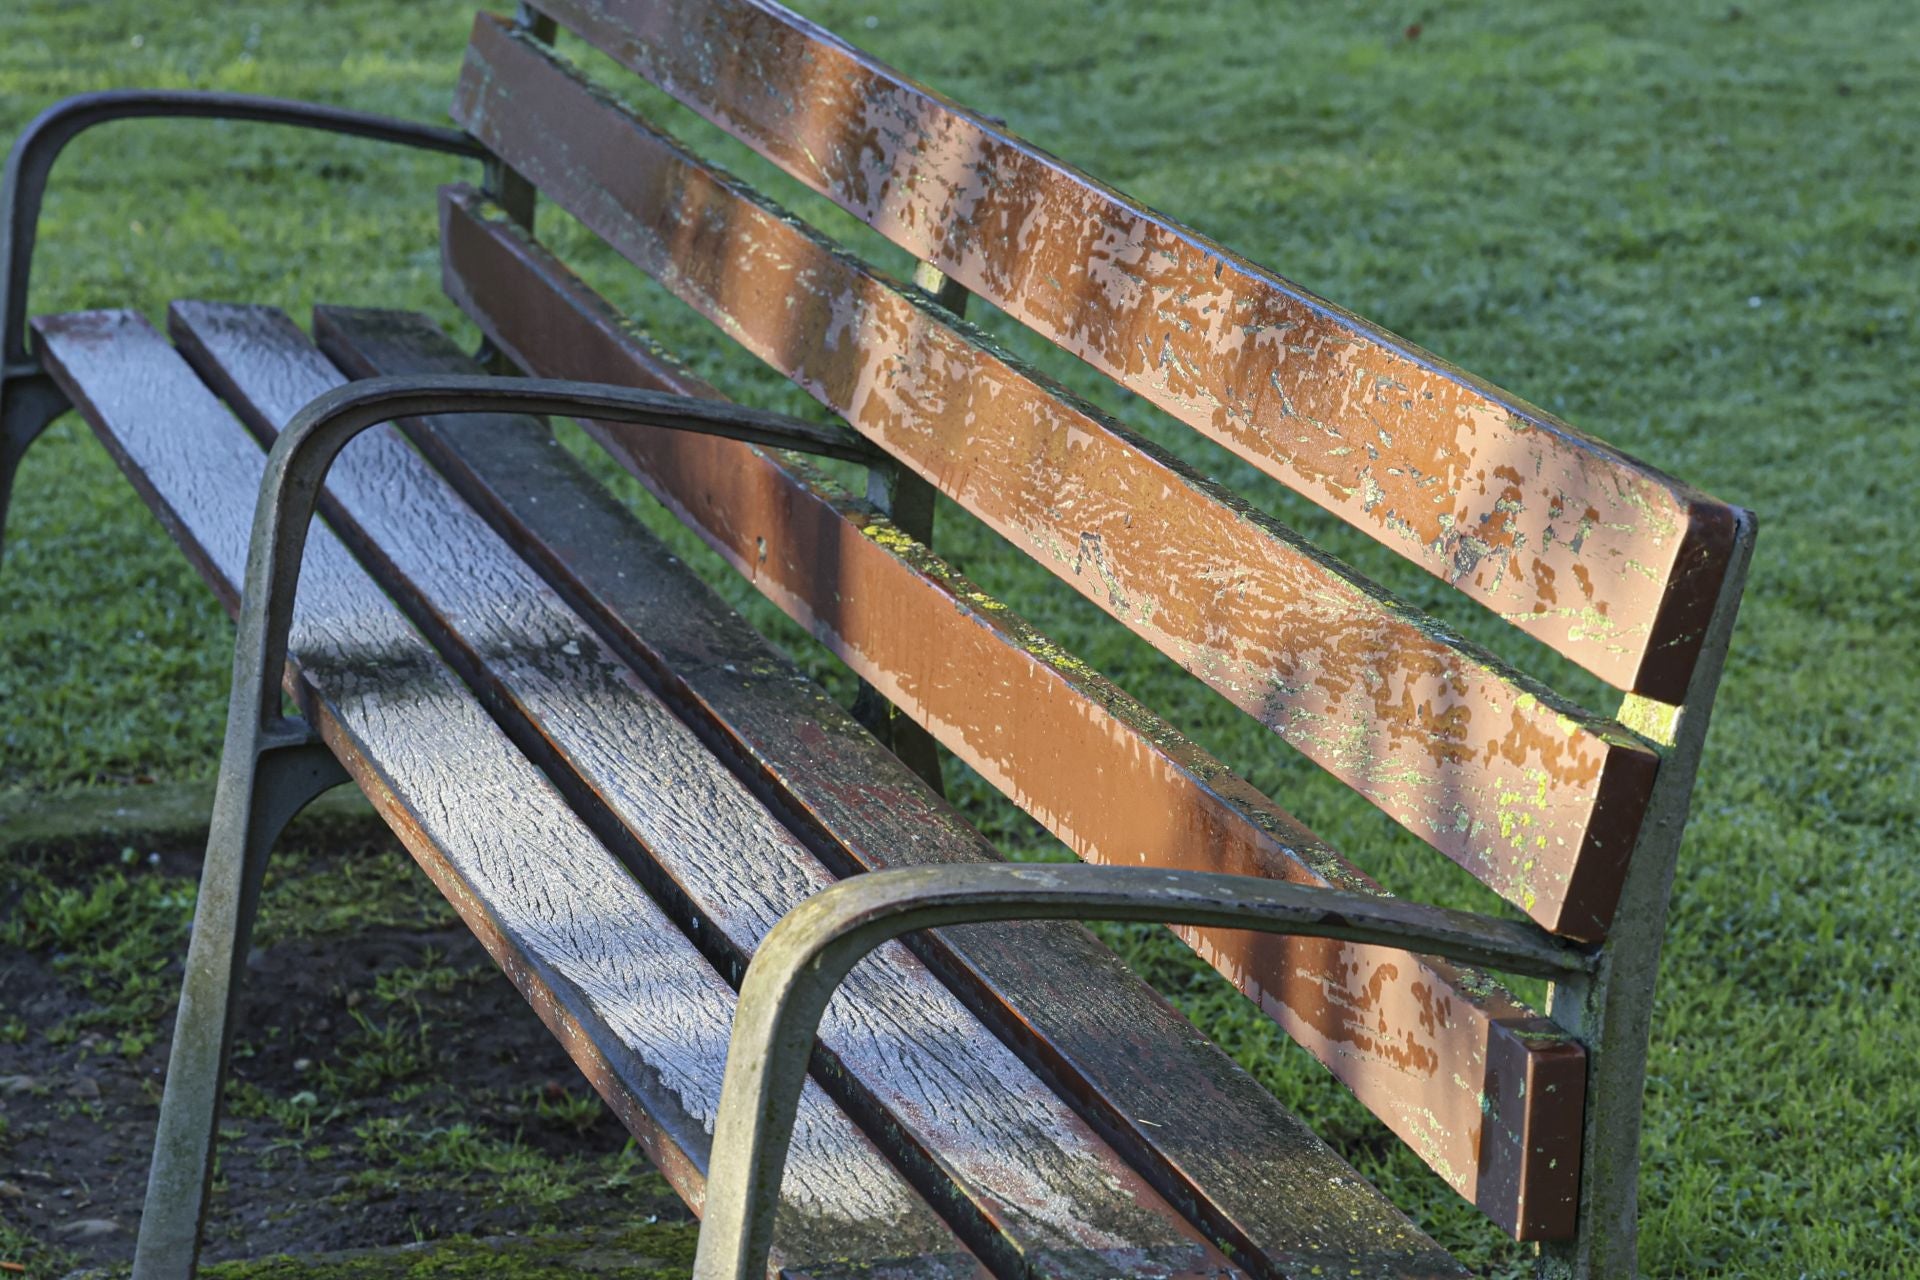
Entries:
{"x":676,"y":787}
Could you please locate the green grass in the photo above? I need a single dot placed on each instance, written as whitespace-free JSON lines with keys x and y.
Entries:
{"x":110,"y":939}
{"x":637,"y":1253}
{"x":1689,"y":228}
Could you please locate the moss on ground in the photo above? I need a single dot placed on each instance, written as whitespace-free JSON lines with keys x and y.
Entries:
{"x":388,"y":1084}
{"x":659,"y":1251}
{"x":655,"y":1252}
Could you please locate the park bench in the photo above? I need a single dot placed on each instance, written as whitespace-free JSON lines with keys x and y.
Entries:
{"x":630,"y":795}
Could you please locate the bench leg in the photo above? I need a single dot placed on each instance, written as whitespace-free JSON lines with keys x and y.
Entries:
{"x":258,"y":795}
{"x":29,"y":401}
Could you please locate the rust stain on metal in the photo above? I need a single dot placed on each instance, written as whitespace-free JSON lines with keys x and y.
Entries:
{"x":1410,"y":1035}
{"x":1533,"y":795}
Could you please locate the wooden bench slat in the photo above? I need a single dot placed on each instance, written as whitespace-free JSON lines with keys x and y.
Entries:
{"x":1604,"y":558}
{"x":642,"y":1013}
{"x":1537,"y":798}
{"x":1100,"y":1035}
{"x":1032,"y":1187}
{"x":1465,"y":1075}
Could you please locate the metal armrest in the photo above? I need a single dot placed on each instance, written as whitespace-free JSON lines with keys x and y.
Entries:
{"x":803,"y":960}
{"x":33,"y":154}
{"x":29,"y":400}
{"x":305,"y":450}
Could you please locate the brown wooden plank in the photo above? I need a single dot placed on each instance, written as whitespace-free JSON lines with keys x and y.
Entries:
{"x":645,"y":1017}
{"x":1028,"y":1184}
{"x":1132,"y":1064}
{"x":1604,"y":558}
{"x":1537,"y":798}
{"x":1483,"y":1088}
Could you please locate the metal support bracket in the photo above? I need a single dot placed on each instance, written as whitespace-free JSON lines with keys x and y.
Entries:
{"x":908,"y":501}
{"x":1611,"y":1008}
{"x":29,"y":402}
{"x":503,"y":186}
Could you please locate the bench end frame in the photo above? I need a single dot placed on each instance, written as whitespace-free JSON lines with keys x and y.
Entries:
{"x":802,"y":961}
{"x":1611,"y":1008}
{"x":271,"y":766}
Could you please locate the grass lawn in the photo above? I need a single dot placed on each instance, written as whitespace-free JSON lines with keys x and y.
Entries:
{"x":1692,"y":229}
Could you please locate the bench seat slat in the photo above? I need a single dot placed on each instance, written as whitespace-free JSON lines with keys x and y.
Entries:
{"x":643,"y":1014}
{"x":1452,"y":1064}
{"x":1606,"y":559}
{"x":1534,"y":796}
{"x":1046,"y":1196}
{"x":1102,"y":1036}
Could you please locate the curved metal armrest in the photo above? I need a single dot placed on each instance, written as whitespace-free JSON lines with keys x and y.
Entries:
{"x":33,"y":154}
{"x":29,"y":398}
{"x":802,"y":961}
{"x":297,"y":467}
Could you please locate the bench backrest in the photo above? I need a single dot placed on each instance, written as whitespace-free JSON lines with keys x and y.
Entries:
{"x":1621,"y":569}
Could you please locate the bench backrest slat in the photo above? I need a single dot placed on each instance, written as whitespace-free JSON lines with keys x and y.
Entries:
{"x":1610,"y":562}
{"x":1476,"y":1082}
{"x":1537,"y":798}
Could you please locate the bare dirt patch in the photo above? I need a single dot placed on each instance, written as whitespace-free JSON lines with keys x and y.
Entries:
{"x":389,"y":1086}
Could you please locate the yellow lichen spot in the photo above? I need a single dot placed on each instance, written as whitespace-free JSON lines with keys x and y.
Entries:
{"x":1653,"y":720}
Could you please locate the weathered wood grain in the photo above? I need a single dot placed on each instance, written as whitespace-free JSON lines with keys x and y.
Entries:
{"x":643,"y":1014}
{"x":1027,"y":1182}
{"x":1609,"y":561}
{"x":1537,"y":798}
{"x":1483,"y":1088}
{"x":1132,"y":1064}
